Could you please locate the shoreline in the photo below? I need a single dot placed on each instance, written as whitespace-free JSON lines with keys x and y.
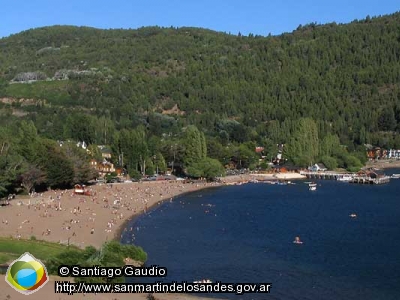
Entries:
{"x":72,"y":217}
{"x":61,"y":216}
{"x":383,"y":164}
{"x":120,"y":229}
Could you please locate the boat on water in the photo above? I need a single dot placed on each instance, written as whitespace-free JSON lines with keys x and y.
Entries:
{"x":345,"y":178}
{"x":312,"y":186}
{"x":395,"y":176}
{"x":353,"y":215}
{"x":297,"y":240}
{"x":269,"y":181}
{"x":203,"y":281}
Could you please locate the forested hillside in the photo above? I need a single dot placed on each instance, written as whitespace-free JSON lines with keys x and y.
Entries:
{"x":339,"y":81}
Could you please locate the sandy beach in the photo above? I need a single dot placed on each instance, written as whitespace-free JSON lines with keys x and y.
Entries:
{"x":61,"y":216}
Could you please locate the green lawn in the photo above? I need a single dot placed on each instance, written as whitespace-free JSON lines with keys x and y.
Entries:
{"x":55,"y":92}
{"x":7,"y":257}
{"x":11,"y":249}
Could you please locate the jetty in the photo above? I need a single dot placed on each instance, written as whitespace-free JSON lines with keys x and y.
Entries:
{"x":325,"y":174}
{"x":370,"y":180}
{"x":363,"y":177}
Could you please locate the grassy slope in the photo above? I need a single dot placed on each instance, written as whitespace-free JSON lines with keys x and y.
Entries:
{"x":11,"y":249}
{"x":54,"y":92}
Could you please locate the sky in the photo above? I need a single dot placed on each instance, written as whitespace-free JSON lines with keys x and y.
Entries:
{"x":259,"y":17}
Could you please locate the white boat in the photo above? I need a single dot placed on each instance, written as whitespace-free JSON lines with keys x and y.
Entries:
{"x":203,"y":281}
{"x":345,"y":178}
{"x":297,"y":240}
{"x":312,"y":186}
{"x":395,"y":176}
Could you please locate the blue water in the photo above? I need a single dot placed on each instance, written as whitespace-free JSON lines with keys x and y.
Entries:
{"x":245,"y":233}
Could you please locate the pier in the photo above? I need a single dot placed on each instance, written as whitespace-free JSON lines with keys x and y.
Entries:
{"x":369,"y":180}
{"x":355,"y":177}
{"x":325,"y":175}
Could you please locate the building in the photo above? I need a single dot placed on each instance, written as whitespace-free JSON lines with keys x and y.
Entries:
{"x":82,"y":145}
{"x":106,"y":153}
{"x":393,"y":153}
{"x":317,"y":168}
{"x":105,"y":167}
{"x":93,"y":163}
{"x":371,"y":173}
{"x":259,"y":149}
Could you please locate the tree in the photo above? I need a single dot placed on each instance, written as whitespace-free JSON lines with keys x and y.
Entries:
{"x":32,"y":176}
{"x":194,"y":144}
{"x":303,"y":146}
{"x":208,"y":168}
{"x":3,"y":87}
{"x":159,"y":162}
{"x":29,"y":141}
{"x":141,"y":150}
{"x":215,"y":149}
{"x":58,"y":168}
{"x":80,"y":127}
{"x":11,"y":162}
{"x":245,"y":156}
{"x":330,"y":145}
{"x":329,"y":162}
{"x":387,"y":120}
{"x":79,"y":158}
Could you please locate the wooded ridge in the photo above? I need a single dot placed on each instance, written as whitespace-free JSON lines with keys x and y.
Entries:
{"x":332,"y":86}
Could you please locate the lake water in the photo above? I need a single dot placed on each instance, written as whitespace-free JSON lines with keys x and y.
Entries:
{"x":245,"y":234}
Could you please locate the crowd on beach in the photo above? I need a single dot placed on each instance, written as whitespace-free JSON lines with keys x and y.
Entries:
{"x":65,"y":217}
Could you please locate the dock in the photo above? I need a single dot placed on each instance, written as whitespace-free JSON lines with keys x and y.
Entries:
{"x":355,"y":177}
{"x":325,"y":175}
{"x":369,"y":180}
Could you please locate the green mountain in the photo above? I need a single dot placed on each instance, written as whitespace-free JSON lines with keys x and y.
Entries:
{"x":343,"y":76}
{"x":341,"y":82}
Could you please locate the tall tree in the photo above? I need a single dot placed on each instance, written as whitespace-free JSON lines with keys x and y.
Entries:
{"x":32,"y":176}
{"x":303,"y":146}
{"x":194,"y":143}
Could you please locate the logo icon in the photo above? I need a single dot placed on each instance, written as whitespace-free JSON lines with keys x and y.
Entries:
{"x":26,"y":274}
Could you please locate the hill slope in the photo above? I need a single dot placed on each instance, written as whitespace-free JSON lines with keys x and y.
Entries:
{"x":345,"y":77}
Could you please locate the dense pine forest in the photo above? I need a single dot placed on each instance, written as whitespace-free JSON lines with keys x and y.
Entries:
{"x":199,"y":98}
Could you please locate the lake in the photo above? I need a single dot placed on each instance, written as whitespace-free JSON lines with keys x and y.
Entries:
{"x":245,"y":234}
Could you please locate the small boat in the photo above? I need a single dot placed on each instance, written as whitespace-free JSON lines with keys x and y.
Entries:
{"x":203,"y":281}
{"x":312,"y":186}
{"x":353,"y":215}
{"x":269,"y":181}
{"x":395,"y":176}
{"x":297,"y":240}
{"x":345,"y":178}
